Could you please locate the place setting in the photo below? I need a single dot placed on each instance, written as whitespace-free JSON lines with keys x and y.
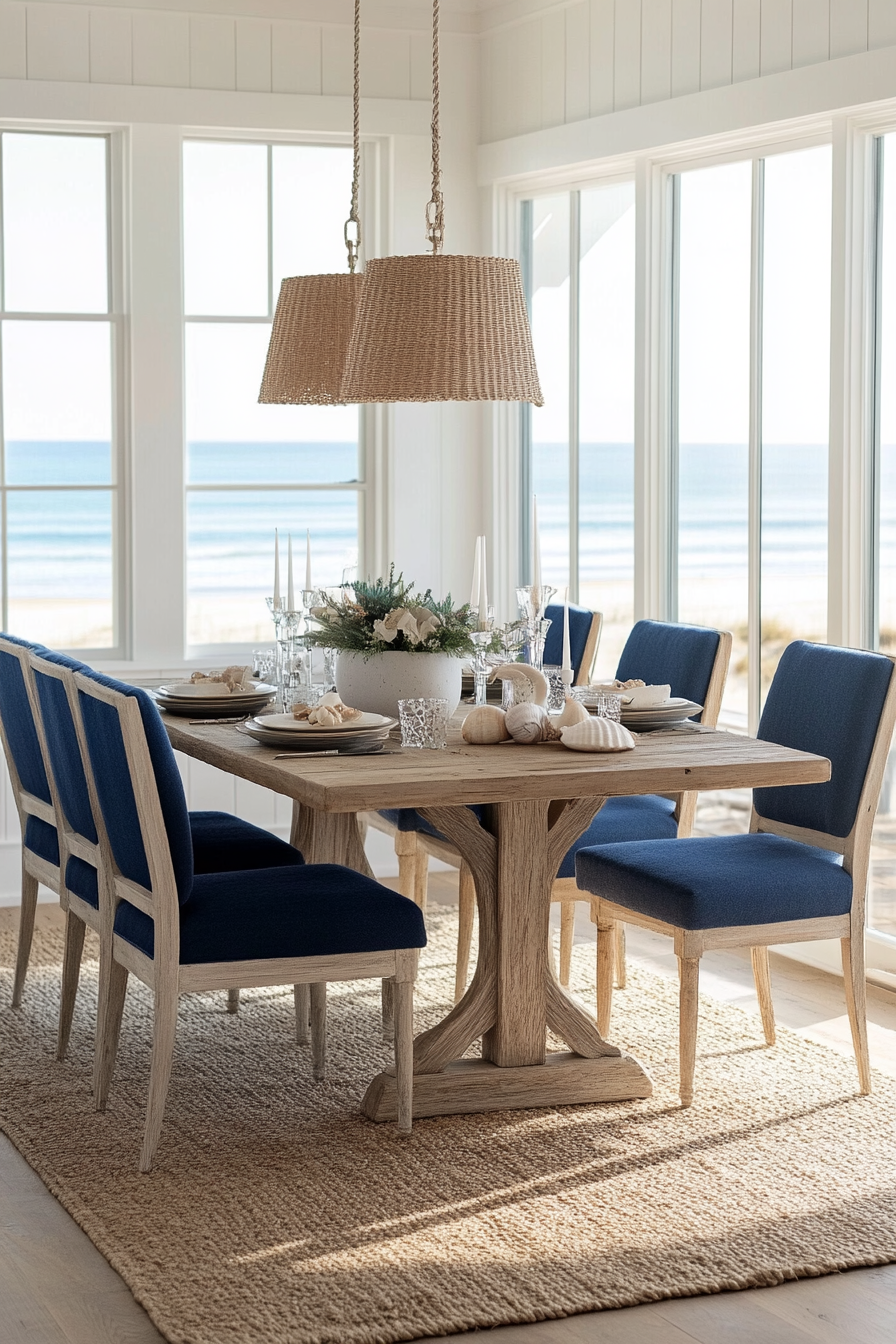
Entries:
{"x":229,"y":695}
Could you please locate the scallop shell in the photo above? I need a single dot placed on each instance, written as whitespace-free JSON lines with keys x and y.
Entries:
{"x":597,"y":735}
{"x":530,"y":685}
{"x":529,"y":724}
{"x":485,"y":724}
{"x":573,"y":712}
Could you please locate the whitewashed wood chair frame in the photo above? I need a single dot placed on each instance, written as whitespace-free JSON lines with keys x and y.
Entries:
{"x":413,"y":849}
{"x":690,"y":944}
{"x":168,"y":978}
{"x":80,"y":914}
{"x":34,"y":868}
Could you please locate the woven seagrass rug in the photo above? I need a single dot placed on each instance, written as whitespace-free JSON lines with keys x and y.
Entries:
{"x":278,"y":1215}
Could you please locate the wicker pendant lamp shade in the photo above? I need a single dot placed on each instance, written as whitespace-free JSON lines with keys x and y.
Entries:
{"x":315,"y":314}
{"x":441,"y":328}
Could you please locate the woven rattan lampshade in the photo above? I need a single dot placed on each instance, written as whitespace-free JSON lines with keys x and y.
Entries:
{"x":315,"y":314}
{"x":442,"y":328}
{"x":310,"y":339}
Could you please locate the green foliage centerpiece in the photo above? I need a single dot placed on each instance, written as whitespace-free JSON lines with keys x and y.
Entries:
{"x":386,"y":616}
{"x":379,"y":630}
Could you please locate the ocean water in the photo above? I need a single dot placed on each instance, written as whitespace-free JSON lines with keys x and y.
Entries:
{"x":60,"y":541}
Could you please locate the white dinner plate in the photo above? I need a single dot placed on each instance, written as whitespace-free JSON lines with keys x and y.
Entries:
{"x":285,"y":723}
{"x":180,"y":691}
{"x":675,"y":708}
{"x":301,"y":742}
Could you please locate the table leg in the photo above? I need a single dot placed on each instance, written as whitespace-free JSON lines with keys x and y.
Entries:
{"x":514,"y":996}
{"x":329,"y":837}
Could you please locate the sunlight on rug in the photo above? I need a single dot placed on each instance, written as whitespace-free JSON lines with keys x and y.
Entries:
{"x":278,"y":1215}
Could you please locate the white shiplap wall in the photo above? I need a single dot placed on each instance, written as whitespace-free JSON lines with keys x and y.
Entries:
{"x":81,"y":44}
{"x":583,"y":59}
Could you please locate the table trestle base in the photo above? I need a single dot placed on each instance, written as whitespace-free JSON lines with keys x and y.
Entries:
{"x":467,"y":1086}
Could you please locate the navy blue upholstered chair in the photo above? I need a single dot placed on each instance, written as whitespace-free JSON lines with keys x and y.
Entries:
{"x":693,"y":660}
{"x":181,"y":931}
{"x":786,"y":880}
{"x":584,"y":637}
{"x":31,"y":791}
{"x":220,"y":841}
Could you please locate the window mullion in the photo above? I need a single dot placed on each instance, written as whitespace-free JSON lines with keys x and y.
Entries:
{"x":575,"y":210}
{"x":874,"y":530}
{"x":754,"y":600}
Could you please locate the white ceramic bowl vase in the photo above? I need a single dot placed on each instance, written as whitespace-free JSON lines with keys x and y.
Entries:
{"x":376,"y":682}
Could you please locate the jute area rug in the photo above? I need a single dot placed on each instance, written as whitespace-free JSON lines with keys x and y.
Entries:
{"x":278,"y":1215}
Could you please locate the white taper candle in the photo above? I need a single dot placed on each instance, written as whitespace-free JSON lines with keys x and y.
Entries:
{"x":474,"y":590}
{"x":308,"y":559}
{"x":536,"y":546}
{"x":566,"y":665}
{"x":290,"y":586}
{"x":276,"y":569}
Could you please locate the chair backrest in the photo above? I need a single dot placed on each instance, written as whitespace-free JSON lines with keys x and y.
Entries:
{"x":838,"y":703}
{"x":692,"y":659}
{"x":54,"y":683}
{"x":18,"y":728}
{"x":584,"y":637}
{"x":139,"y":791}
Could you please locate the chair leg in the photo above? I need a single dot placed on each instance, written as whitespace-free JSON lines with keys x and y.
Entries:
{"x":421,"y":878}
{"x":567,"y":929}
{"x":71,"y":970}
{"x":302,"y":998}
{"x":853,"y":953}
{"x":387,"y":1011}
{"x":164,"y":1029}
{"x":233,"y":1000}
{"x":113,"y":988}
{"x":406,"y":853}
{"x":403,"y":996}
{"x":26,"y":934}
{"x":763,"y":980}
{"x":689,"y":978}
{"x":466,"y":891}
{"x":606,"y":950}
{"x":319,"y":1031}
{"x":621,"y":976}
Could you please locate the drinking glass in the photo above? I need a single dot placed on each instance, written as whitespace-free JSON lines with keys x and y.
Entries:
{"x":424,"y":723}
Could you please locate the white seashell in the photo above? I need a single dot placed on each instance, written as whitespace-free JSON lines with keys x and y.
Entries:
{"x":530,"y":685}
{"x":485,"y":724}
{"x":528,"y":724}
{"x":573,"y":712}
{"x":597,"y":735}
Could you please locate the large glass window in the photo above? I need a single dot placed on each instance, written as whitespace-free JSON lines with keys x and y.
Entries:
{"x":58,"y":339}
{"x":752,"y":331}
{"x":254,"y":213}
{"x":579,"y":253}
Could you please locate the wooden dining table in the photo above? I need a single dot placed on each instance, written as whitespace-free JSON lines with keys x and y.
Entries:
{"x":537,"y":801}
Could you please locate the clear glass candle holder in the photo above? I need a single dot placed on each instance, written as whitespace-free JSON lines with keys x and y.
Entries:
{"x":424,"y":723}
{"x":556,"y":689}
{"x":605,"y":705}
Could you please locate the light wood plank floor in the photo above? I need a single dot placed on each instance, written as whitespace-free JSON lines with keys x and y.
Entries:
{"x":55,"y":1287}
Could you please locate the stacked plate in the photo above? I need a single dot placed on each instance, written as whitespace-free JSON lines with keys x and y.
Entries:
{"x":201,"y":700}
{"x":666,"y":715}
{"x":359,"y":736}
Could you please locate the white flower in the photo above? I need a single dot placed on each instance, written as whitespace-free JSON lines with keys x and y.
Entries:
{"x":384,"y":631}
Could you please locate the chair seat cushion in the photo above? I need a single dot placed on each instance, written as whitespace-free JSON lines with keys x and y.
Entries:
{"x":224,"y":844}
{"x":41,"y":839}
{"x":221,"y":843}
{"x":311,"y":910}
{"x":409,"y":819}
{"x":649,"y":817}
{"x":721,"y":882}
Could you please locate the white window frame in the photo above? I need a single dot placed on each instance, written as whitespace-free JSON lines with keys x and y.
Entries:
{"x":117,"y":319}
{"x":366,"y":422}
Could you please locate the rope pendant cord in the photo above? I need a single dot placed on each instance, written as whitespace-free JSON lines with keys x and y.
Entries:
{"x":435,"y":209}
{"x":352,"y":231}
